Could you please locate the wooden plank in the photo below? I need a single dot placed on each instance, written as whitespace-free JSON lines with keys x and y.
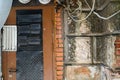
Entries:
{"x":9,"y":62}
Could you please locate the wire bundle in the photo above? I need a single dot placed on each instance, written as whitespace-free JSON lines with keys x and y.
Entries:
{"x":79,"y":3}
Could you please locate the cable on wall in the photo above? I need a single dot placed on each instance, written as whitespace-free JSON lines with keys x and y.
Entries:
{"x":106,"y":18}
{"x":79,"y":8}
{"x":75,"y":18}
{"x":101,"y":17}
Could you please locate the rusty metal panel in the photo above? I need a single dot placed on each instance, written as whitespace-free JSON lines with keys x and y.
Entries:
{"x":47,"y":30}
{"x":9,"y":65}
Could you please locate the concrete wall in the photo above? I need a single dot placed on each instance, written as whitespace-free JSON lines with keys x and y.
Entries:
{"x":83,"y":62}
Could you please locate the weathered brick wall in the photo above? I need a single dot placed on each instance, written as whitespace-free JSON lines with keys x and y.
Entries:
{"x":117,"y":52}
{"x":58,"y":48}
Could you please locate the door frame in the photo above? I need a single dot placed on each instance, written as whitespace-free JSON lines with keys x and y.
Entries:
{"x":48,"y":27}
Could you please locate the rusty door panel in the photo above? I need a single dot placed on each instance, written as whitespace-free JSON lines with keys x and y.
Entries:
{"x":48,"y":24}
{"x":9,"y":65}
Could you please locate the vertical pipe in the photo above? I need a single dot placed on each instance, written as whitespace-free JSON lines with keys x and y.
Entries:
{"x":65,"y":38}
{"x":65,"y":41}
{"x":94,"y":53}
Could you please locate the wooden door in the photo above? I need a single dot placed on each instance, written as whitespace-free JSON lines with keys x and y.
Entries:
{"x":9,"y":58}
{"x":9,"y":65}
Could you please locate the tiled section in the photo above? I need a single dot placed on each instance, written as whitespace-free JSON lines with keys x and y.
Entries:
{"x":58,"y":47}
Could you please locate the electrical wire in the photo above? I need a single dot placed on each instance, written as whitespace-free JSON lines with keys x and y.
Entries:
{"x":77,"y":9}
{"x":73,"y":17}
{"x":101,"y":17}
{"x":80,"y":20}
{"x":76,"y":20}
{"x":106,"y":18}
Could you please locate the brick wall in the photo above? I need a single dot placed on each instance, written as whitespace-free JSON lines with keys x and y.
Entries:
{"x":58,"y":47}
{"x":117,"y":52}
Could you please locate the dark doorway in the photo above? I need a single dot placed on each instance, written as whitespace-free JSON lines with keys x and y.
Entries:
{"x":29,"y":54}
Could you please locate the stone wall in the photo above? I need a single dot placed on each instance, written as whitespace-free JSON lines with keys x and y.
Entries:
{"x":89,"y":58}
{"x":82,"y":63}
